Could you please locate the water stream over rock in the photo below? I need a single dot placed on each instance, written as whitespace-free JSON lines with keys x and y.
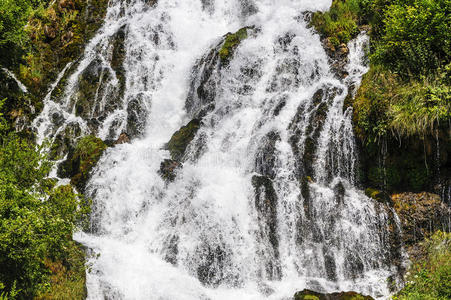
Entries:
{"x":264,"y":199}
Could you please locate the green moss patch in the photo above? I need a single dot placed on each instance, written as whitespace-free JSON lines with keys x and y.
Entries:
{"x":181,"y":139}
{"x":231,"y":42}
{"x":82,"y":160}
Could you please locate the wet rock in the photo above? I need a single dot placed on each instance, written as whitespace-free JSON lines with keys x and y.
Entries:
{"x":171,"y":249}
{"x":82,"y":160}
{"x":421,"y":214}
{"x":210,"y":269}
{"x":312,"y":295}
{"x":136,"y":117}
{"x":265,"y":158}
{"x":207,"y":73}
{"x":122,"y":139}
{"x":118,"y":53}
{"x":338,"y":56}
{"x":168,"y":169}
{"x":310,"y":128}
{"x":266,"y":206}
{"x":151,"y":2}
{"x":339,"y":191}
{"x":65,"y":141}
{"x":181,"y":139}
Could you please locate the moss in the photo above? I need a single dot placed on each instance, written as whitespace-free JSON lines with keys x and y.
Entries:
{"x":231,"y":42}
{"x":58,"y":34}
{"x":378,"y":195}
{"x":181,"y":139}
{"x":340,"y":23}
{"x":82,"y":160}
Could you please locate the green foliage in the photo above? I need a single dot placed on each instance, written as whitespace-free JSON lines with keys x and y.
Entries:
{"x":387,"y":104}
{"x":415,"y":37}
{"x":421,"y":104}
{"x":340,"y":23}
{"x":232,"y":41}
{"x":37,"y":218}
{"x":430,"y":277}
{"x":14,"y":15}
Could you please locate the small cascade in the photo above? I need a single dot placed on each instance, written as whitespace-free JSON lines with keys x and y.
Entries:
{"x":21,"y":86}
{"x":263,"y":200}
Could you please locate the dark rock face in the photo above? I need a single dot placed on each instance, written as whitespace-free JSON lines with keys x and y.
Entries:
{"x":309,"y":121}
{"x":177,"y":148}
{"x":421,"y":215}
{"x":338,"y":57}
{"x":136,"y":117}
{"x":207,"y":73}
{"x":168,"y":168}
{"x":312,"y":295}
{"x":266,"y":206}
{"x":265,"y":158}
{"x":122,"y":139}
{"x":412,"y":164}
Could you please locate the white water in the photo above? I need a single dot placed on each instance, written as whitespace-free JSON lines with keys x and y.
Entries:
{"x":208,"y":222}
{"x":21,"y":86}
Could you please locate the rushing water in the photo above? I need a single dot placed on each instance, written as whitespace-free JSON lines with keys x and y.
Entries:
{"x":266,"y":203}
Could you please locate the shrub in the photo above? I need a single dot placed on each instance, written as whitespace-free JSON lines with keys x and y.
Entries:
{"x":339,"y":24}
{"x":37,"y":218}
{"x":430,"y":277}
{"x":415,"y":38}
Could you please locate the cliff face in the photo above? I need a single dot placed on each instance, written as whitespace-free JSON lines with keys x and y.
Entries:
{"x":55,"y":36}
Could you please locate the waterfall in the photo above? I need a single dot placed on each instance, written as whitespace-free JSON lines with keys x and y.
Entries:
{"x":21,"y":86}
{"x":266,"y":201}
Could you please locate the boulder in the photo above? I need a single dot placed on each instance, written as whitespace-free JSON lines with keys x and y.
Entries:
{"x":421,"y":214}
{"x":168,"y":168}
{"x":181,"y":139}
{"x":312,"y":295}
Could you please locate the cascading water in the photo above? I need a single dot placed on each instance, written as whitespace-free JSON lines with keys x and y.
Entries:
{"x":265,"y":203}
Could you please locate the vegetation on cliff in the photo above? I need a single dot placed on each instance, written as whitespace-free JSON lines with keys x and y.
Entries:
{"x":430,"y":276}
{"x":403,"y":108}
{"x":37,"y":220}
{"x":38,"y":257}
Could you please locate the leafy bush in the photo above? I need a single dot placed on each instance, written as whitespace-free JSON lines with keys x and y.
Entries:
{"x":14,"y":16}
{"x":339,"y":24}
{"x":415,"y":37}
{"x":430,"y":277}
{"x":37,"y":218}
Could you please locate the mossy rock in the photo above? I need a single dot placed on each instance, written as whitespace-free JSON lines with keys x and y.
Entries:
{"x":379,"y":196}
{"x":168,"y":169}
{"x":231,"y":42}
{"x":82,"y":160}
{"x":181,"y":139}
{"x":312,"y":295}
